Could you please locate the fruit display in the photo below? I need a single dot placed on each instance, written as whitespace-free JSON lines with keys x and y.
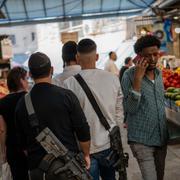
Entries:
{"x":171,"y":78}
{"x":3,"y":89}
{"x":178,"y":70}
{"x":178,"y":103}
{"x":172,"y":95}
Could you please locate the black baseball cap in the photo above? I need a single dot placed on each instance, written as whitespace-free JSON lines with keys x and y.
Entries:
{"x":39,"y":64}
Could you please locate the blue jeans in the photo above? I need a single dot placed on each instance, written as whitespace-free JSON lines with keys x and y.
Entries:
{"x":100,"y":167}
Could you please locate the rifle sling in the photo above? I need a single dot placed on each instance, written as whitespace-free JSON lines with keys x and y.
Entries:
{"x":34,"y":122}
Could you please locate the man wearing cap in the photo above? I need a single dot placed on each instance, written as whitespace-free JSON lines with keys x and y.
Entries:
{"x":56,"y":108}
{"x":69,"y":51}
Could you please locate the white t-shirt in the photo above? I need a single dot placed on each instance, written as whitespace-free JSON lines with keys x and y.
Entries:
{"x":111,"y":67}
{"x":106,"y":90}
{"x":67,"y":72}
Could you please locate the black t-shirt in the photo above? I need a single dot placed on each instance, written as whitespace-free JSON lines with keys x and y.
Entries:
{"x":123,"y":69}
{"x":7,"y":110}
{"x":56,"y":108}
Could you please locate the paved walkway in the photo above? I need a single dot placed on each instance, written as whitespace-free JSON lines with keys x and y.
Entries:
{"x":172,"y":169}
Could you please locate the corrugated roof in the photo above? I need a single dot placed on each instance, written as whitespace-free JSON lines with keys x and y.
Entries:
{"x":33,"y":11}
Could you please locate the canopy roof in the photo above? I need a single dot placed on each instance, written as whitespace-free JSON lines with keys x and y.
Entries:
{"x":36,"y":11}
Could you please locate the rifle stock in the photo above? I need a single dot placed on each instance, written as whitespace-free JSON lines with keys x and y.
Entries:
{"x":74,"y":165}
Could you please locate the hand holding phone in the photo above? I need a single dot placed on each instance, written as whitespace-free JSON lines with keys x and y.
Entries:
{"x":141,"y":66}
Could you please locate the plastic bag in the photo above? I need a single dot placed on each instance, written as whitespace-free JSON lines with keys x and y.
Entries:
{"x":6,"y":172}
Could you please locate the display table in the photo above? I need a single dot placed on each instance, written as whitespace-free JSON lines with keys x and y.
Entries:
{"x":173,"y":116}
{"x":173,"y":121}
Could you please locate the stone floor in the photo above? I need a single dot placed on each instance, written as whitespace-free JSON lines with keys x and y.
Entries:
{"x":172,"y":169}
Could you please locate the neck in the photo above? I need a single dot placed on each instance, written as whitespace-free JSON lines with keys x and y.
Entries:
{"x":71,"y":63}
{"x":88,"y":66}
{"x":19,"y":90}
{"x":150,"y":74}
{"x":43,"y":80}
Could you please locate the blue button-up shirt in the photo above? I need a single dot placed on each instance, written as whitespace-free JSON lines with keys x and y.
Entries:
{"x":145,"y":110}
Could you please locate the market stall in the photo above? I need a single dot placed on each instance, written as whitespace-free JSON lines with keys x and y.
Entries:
{"x":171,"y":79}
{"x":5,"y":59}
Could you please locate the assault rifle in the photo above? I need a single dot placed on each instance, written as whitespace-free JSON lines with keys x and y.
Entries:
{"x":117,"y":158}
{"x":74,"y":165}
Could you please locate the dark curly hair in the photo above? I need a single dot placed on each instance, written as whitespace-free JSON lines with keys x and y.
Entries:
{"x":14,"y":78}
{"x":146,"y":41}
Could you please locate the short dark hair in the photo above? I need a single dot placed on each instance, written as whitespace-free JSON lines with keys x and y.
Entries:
{"x":146,"y":41}
{"x":39,"y":65}
{"x":86,"y":46}
{"x":126,"y":61}
{"x":69,"y":51}
{"x":110,"y":53}
{"x":14,"y":78}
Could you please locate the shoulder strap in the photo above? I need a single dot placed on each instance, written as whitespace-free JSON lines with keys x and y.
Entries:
{"x":34,"y":122}
{"x":93,"y":101}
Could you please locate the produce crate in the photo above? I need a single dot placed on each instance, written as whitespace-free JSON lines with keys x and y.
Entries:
{"x":173,"y":116}
{"x":173,"y":121}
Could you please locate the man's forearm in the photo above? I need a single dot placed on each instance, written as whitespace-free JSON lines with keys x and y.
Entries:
{"x":85,"y":146}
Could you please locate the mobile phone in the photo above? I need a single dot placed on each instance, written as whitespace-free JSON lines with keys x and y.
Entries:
{"x":137,"y":58}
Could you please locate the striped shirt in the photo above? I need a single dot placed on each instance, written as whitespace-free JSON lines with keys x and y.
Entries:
{"x":145,"y":110}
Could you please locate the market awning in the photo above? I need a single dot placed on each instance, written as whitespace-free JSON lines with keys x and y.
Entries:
{"x":37,"y":11}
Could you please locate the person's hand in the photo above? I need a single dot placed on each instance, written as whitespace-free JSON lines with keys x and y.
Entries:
{"x":140,"y":70}
{"x":125,"y":125}
{"x":141,"y":67}
{"x":88,"y":161}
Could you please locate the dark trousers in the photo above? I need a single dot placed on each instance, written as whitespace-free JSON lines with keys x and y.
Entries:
{"x":100,"y":167}
{"x":19,"y":166}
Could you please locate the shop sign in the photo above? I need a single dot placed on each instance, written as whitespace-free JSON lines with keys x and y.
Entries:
{"x":65,"y":36}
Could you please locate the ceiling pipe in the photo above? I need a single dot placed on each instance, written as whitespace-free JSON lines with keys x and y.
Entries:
{"x":161,"y":4}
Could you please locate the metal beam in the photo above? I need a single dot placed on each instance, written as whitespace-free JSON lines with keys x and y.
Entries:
{"x":120,"y":1}
{"x":159,"y":4}
{"x":2,"y":3}
{"x":25,"y":9}
{"x":82,"y":6}
{"x":44,"y":7}
{"x":63,"y":6}
{"x":7,"y":12}
{"x":101,"y":7}
{"x":70,"y":18}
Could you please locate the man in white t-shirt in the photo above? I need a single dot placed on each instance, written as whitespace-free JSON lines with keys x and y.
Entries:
{"x":110,"y":64}
{"x":106,"y":89}
{"x":71,"y":67}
